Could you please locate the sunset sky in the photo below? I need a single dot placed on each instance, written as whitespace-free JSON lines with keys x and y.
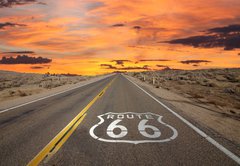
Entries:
{"x":100,"y":36}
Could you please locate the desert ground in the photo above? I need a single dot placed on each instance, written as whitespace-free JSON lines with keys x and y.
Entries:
{"x":210,"y":96}
{"x":16,"y":85}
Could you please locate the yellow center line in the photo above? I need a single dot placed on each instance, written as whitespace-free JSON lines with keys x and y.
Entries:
{"x":55,"y":144}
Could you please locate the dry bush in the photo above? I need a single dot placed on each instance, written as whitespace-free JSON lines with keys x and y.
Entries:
{"x":11,"y":92}
{"x":196,"y":95}
{"x":16,"y":83}
{"x":181,"y":82}
{"x":21,"y":93}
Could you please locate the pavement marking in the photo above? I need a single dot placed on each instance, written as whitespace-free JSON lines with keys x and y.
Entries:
{"x":42,"y":98}
{"x":122,"y":137}
{"x":55,"y":144}
{"x":200,"y":132}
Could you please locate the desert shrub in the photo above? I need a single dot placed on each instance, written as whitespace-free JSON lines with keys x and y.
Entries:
{"x":205,"y":80}
{"x":46,"y":84}
{"x":177,"y":88}
{"x":237,"y":106}
{"x":16,"y":84}
{"x":135,"y":74}
{"x":233,"y":112}
{"x":161,"y":80}
{"x":56,"y":84}
{"x":212,"y":84}
{"x":11,"y":92}
{"x":63,"y":82}
{"x":220,"y":78}
{"x":229,"y":90}
{"x":201,"y":83}
{"x":82,"y":79}
{"x":52,"y":84}
{"x":6,"y":85}
{"x":183,"y":78}
{"x":21,"y":93}
{"x":231,"y":78}
{"x":191,"y":82}
{"x":181,"y":82}
{"x":2,"y":86}
{"x":196,"y":95}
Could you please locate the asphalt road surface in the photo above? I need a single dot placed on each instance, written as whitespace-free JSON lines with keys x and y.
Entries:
{"x":109,"y":122}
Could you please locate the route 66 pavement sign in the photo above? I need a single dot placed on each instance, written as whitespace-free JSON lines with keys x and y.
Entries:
{"x":132,"y":127}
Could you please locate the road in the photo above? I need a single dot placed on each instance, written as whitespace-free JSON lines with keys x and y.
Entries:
{"x":114,"y":123}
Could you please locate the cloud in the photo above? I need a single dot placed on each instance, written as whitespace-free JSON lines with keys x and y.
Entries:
{"x":194,"y":61}
{"x":144,"y":47}
{"x":145,"y":67}
{"x":24,"y":59}
{"x":195,"y":65}
{"x":118,"y":25}
{"x":37,"y":67}
{"x":227,"y":37}
{"x":227,"y":29}
{"x":120,"y":62}
{"x":154,"y":60}
{"x":20,"y":52}
{"x":161,"y":66}
{"x":137,"y":27}
{"x":11,"y":3}
{"x":9,"y":24}
{"x":164,"y":67}
{"x":168,"y":68}
{"x":108,"y":66}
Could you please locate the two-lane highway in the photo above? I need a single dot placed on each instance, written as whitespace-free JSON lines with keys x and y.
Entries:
{"x":119,"y":125}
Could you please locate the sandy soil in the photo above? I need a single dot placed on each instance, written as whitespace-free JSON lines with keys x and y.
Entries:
{"x":17,"y":88}
{"x":209,"y":97}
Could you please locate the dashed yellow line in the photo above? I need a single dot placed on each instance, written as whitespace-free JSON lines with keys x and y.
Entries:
{"x":55,"y":144}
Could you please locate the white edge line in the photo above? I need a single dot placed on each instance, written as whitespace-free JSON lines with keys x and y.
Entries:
{"x":200,"y":132}
{"x":42,"y":98}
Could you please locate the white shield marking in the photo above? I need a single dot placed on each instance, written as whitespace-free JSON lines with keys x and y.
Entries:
{"x":141,"y":127}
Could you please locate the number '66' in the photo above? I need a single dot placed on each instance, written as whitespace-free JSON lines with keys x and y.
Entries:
{"x":142,"y":126}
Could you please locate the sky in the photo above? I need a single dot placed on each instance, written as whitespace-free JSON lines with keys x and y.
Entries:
{"x":90,"y":37}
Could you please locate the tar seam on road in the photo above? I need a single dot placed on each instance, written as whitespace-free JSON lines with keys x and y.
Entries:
{"x":200,"y":132}
{"x":55,"y":144}
{"x":42,"y":98}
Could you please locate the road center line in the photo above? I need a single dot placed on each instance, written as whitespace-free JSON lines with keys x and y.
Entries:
{"x":200,"y":132}
{"x":55,"y":144}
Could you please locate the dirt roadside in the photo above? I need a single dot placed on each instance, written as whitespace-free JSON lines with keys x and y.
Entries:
{"x":43,"y":92}
{"x":206,"y":115}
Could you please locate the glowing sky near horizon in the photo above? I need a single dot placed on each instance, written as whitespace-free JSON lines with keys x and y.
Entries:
{"x":86,"y":36}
